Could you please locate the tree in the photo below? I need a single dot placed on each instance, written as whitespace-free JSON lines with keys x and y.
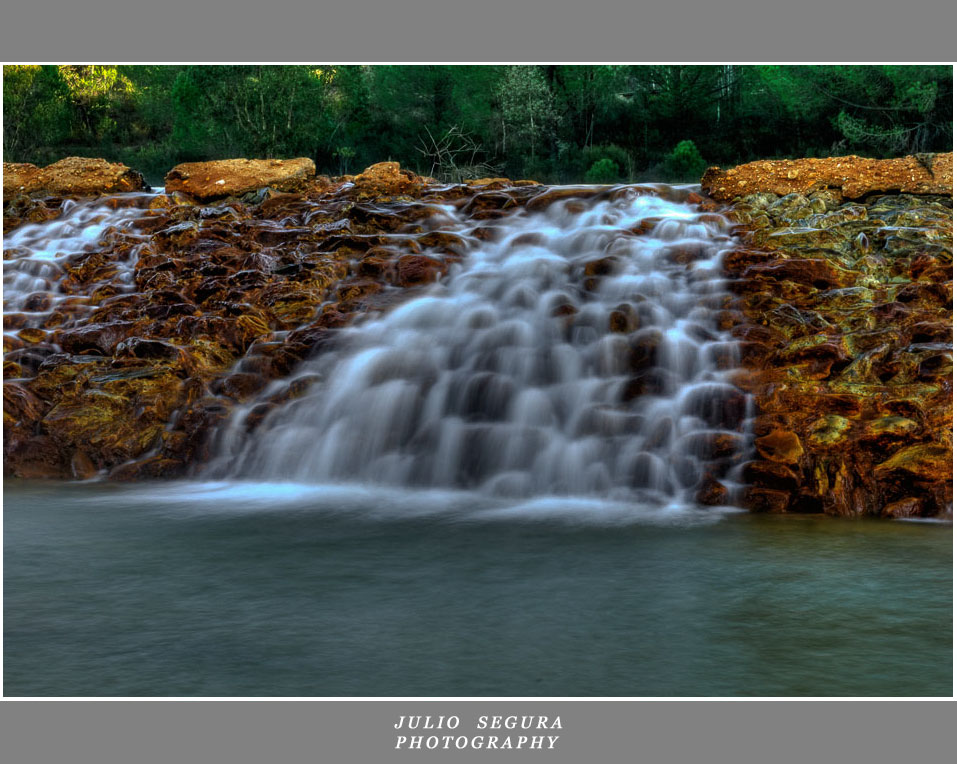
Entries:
{"x":528,"y":113}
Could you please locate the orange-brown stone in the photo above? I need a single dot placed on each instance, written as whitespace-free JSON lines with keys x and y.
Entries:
{"x":221,"y":178}
{"x":780,"y":446}
{"x":854,"y":176}
{"x":73,"y":176}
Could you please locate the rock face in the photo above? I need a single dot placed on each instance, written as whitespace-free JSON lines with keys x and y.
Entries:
{"x":70,"y":177}
{"x":845,"y":313}
{"x":204,"y":181}
{"x":853,"y":176}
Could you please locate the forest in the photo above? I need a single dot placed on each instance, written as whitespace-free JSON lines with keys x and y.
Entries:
{"x":552,"y":123}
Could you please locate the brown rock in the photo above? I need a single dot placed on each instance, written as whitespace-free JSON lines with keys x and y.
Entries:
{"x":780,"y":446}
{"x":411,"y":270}
{"x":386,"y":179}
{"x":770,"y":475}
{"x":854,"y":176}
{"x":922,"y":462}
{"x":73,"y":176}
{"x":711,"y":492}
{"x":19,"y":178}
{"x":766,"y":500}
{"x":909,"y":507}
{"x":234,"y":177}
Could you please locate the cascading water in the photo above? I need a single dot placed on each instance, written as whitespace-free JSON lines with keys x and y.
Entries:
{"x":572,"y":352}
{"x":35,"y":255}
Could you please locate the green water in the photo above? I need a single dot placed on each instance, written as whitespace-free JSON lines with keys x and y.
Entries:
{"x":238,"y":590}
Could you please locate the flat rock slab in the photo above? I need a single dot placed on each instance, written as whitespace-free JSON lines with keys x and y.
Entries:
{"x":205,"y":181}
{"x":854,"y":176}
{"x":73,"y":176}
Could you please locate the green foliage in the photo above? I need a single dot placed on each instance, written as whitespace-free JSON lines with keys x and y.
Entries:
{"x":551,"y":123}
{"x":35,"y":110}
{"x":528,"y":111}
{"x":602,"y":171}
{"x":685,"y":162}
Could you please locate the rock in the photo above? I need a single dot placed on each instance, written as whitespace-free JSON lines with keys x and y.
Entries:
{"x":886,"y":430}
{"x":770,"y":475}
{"x":412,"y":270}
{"x":909,"y":507}
{"x":854,"y":176}
{"x":711,"y":492}
{"x":19,"y":178}
{"x":828,"y":430}
{"x":386,"y":179}
{"x":221,"y":178}
{"x":766,"y":500}
{"x":842,"y":314}
{"x":73,"y":176}
{"x":844,"y":333}
{"x":927,"y":462}
{"x":780,"y":446}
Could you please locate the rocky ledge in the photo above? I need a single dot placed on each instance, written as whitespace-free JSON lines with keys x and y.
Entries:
{"x":845,"y":319}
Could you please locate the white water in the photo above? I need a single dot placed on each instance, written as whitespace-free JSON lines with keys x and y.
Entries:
{"x":36,"y":255}
{"x":506,"y":378}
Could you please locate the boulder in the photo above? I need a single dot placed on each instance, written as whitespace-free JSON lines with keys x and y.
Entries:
{"x":218,"y":179}
{"x":18,"y":178}
{"x":385,"y":179}
{"x":73,"y":176}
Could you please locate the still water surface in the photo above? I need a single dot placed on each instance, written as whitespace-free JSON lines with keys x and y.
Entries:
{"x":255,"y":589}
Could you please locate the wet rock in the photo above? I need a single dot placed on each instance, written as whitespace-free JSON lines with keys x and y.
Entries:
{"x":771,"y":475}
{"x":218,"y":179}
{"x":553,"y":195}
{"x":767,"y":500}
{"x":101,"y":338}
{"x":828,"y":431}
{"x":925,"y":462}
{"x":412,"y":270}
{"x":887,"y":430}
{"x":845,"y":338}
{"x":711,"y":493}
{"x":909,"y":507}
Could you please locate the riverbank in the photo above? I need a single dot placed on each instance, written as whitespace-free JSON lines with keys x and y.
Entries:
{"x":843,"y":310}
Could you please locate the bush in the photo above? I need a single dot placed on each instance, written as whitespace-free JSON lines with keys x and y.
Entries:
{"x":615,"y":153}
{"x":685,"y":162}
{"x":603,"y":171}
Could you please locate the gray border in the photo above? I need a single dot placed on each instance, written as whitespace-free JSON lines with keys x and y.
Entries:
{"x":682,"y":732}
{"x":343,"y":731}
{"x":491,"y":31}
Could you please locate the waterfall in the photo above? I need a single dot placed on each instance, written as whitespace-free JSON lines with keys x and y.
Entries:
{"x":573,"y":351}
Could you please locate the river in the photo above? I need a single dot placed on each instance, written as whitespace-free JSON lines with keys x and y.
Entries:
{"x":258,"y":589}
